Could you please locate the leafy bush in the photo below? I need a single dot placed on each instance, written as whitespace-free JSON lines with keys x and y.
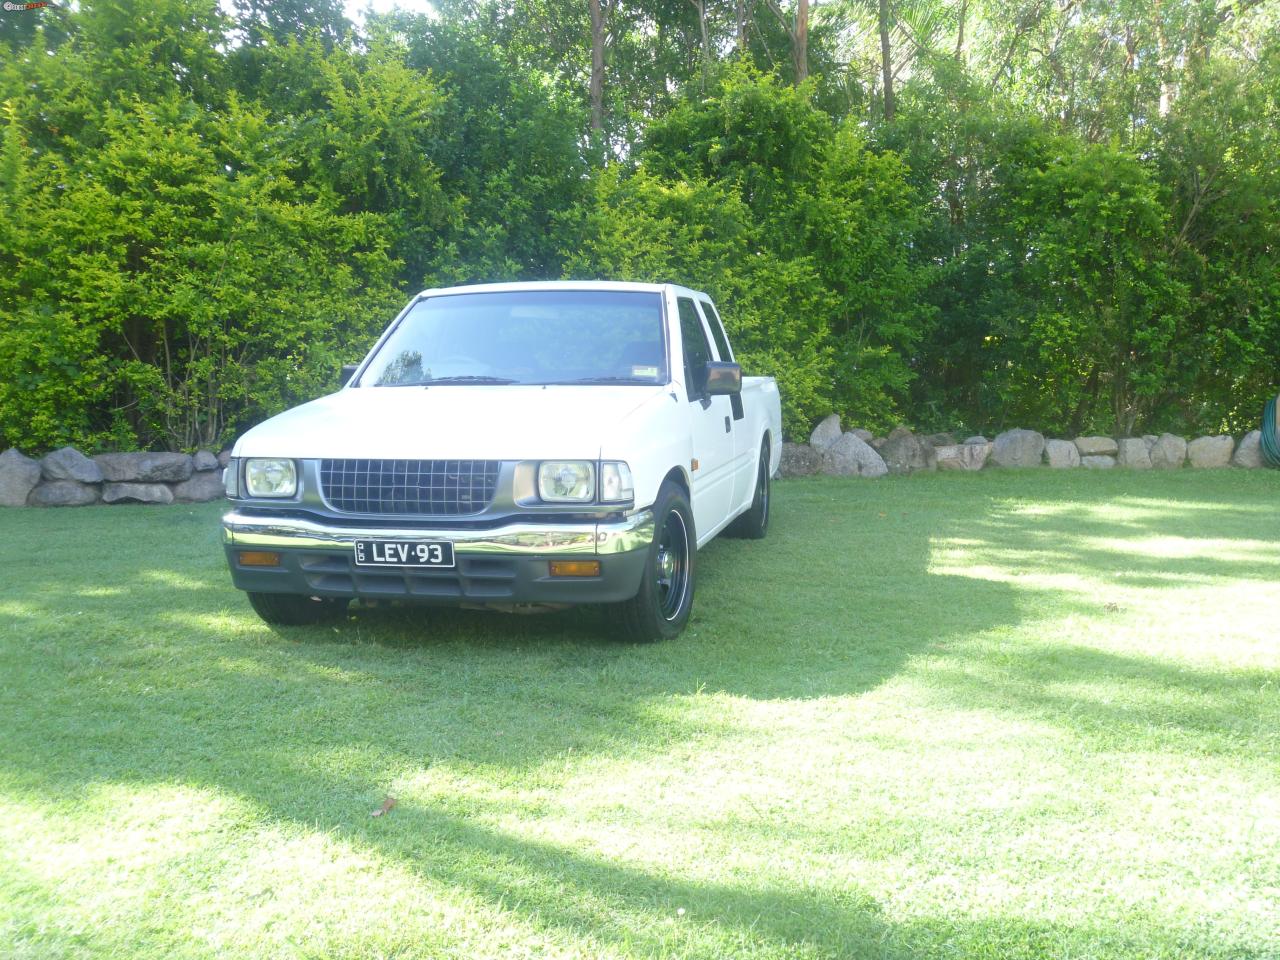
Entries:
{"x":205,"y":209}
{"x":176,"y":284}
{"x":809,"y":229}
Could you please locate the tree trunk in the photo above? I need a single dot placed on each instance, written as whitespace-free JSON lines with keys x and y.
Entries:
{"x":597,"y":66}
{"x":741,"y":10}
{"x":886,"y":62}
{"x":1164,"y":65}
{"x":964,"y":12}
{"x":800,"y":41}
{"x":701,"y":7}
{"x":798,"y":34}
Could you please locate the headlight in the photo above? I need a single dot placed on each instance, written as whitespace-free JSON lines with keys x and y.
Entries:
{"x":231,"y":479}
{"x":567,"y":481}
{"x":616,"y":485}
{"x":270,"y":478}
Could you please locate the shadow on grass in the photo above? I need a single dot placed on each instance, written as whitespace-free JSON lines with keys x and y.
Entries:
{"x":1124,"y":702}
{"x":601,"y":905}
{"x":166,"y":658}
{"x":145,"y":666}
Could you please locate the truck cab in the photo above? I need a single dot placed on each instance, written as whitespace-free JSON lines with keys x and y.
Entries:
{"x":507,"y":445}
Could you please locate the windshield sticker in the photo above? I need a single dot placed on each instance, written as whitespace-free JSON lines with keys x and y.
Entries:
{"x":644,"y":372}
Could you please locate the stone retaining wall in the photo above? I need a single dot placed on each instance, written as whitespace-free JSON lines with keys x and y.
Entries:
{"x":834,"y":451}
{"x":67,"y":478}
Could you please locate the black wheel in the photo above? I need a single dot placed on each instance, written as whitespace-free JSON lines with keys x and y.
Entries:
{"x":295,"y":610}
{"x":754,"y":524}
{"x":660,"y":609}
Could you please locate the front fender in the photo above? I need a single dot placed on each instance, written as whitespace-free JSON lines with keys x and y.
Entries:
{"x":653,"y":439}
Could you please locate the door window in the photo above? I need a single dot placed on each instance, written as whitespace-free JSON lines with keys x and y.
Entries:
{"x":696,"y":349}
{"x":717,"y":330}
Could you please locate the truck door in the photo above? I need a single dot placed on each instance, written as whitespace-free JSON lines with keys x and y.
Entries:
{"x":711,"y":427}
{"x":744,"y":462}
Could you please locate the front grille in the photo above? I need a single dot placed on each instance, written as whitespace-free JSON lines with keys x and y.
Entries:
{"x":426,"y":487}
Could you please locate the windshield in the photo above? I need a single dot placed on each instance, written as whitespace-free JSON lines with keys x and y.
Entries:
{"x":531,"y":336}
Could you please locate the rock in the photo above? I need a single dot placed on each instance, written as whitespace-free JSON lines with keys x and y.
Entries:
{"x":963,"y":456}
{"x":1168,"y":452}
{"x":1249,"y":453}
{"x":940,"y":440}
{"x":136,"y":492}
{"x":207,"y":485}
{"x":977,"y":439}
{"x":877,"y":442}
{"x":850,"y":456}
{"x":798,"y":460}
{"x":866,"y":436}
{"x":1210,"y":451}
{"x":1018,"y":448}
{"x":904,"y":452}
{"x":224,"y":458}
{"x":900,"y":431}
{"x":69,"y":463}
{"x":18,"y":477}
{"x":1097,"y":446}
{"x":1061,"y":454}
{"x":145,"y":467}
{"x":204,"y":460}
{"x":1098,"y":461}
{"x":1133,"y":453}
{"x":826,"y":433}
{"x":1150,"y":439}
{"x":63,"y":493}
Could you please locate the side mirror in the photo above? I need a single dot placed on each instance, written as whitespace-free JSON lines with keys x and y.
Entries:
{"x":348,"y":371}
{"x":723,"y":379}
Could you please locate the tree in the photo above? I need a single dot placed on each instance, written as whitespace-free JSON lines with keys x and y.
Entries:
{"x":1110,"y":318}
{"x":176,"y":284}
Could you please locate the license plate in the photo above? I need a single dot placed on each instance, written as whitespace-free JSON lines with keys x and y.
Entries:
{"x":401,"y":553}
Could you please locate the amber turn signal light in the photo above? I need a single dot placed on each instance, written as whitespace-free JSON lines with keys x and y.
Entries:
{"x":259,"y":558}
{"x":575,"y":568}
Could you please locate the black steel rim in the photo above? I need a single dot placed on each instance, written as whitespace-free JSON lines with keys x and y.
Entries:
{"x":671,"y":564}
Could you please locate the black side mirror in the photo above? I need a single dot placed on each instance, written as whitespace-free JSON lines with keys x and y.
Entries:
{"x":348,"y":371}
{"x":723,"y":379}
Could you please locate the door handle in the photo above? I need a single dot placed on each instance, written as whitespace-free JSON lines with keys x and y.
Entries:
{"x":727,"y":427}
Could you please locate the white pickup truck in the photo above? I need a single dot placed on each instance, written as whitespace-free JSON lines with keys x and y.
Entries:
{"x":507,"y":445}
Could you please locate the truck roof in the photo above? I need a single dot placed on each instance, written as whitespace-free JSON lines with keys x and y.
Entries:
{"x":563,"y":285}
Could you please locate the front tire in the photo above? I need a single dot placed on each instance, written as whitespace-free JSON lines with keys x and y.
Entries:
{"x":295,"y":610}
{"x":660,"y":609}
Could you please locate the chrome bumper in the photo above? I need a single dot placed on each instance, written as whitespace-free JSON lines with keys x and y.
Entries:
{"x":515,"y":539}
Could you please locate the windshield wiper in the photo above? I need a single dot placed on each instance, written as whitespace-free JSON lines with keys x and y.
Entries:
{"x":467,"y":379}
{"x":436,"y":381}
{"x":579,"y":380}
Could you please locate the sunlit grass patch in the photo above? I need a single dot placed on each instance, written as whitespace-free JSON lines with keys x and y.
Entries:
{"x":1013,"y":715}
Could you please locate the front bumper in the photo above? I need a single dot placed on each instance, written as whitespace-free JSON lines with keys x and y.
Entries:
{"x":507,"y":564}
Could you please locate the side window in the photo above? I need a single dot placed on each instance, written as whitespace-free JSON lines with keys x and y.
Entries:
{"x":696,"y":350}
{"x":717,"y":330}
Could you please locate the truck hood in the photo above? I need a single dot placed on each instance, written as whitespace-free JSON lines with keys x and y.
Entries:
{"x":471,"y":422}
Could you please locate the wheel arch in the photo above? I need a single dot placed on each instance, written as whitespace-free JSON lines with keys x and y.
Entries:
{"x":678,"y":476}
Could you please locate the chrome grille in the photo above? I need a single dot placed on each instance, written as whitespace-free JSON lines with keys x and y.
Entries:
{"x":427,"y":487}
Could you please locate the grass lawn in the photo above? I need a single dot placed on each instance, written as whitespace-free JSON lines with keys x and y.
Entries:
{"x":1011,"y":715}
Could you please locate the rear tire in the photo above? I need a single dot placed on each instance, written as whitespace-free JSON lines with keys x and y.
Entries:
{"x":295,"y":610}
{"x":754,"y":524}
{"x":660,"y":609}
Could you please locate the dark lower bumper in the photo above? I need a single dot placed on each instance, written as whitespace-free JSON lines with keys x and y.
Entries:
{"x":474,"y":579}
{"x":504,"y":566}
